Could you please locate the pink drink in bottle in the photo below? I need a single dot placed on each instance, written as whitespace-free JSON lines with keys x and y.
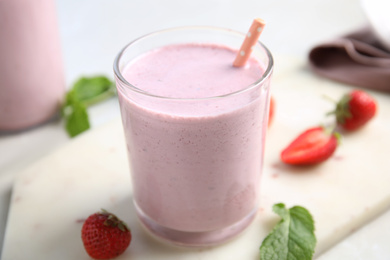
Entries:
{"x":31,"y":72}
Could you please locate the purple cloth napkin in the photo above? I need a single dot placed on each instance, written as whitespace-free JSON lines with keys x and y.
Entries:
{"x":356,"y":59}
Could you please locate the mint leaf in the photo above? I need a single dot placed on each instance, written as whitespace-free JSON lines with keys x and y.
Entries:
{"x":292,"y":238}
{"x":84,"y":93}
{"x":93,"y":89}
{"x":75,"y":115}
{"x":77,"y":122}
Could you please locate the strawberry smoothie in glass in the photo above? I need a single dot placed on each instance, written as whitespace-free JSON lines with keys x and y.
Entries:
{"x":195,"y":130}
{"x":31,"y":73}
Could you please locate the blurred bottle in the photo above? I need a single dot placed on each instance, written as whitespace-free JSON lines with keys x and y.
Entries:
{"x":32,"y":83}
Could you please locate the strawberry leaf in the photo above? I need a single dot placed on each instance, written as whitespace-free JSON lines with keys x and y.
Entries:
{"x":342,"y":109}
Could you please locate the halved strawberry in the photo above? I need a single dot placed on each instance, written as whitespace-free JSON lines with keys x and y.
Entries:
{"x":271,"y":110}
{"x":313,"y":146}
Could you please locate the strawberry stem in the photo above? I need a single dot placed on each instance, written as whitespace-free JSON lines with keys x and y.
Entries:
{"x":342,"y":109}
{"x":333,"y":112}
{"x":113,"y":221}
{"x":329,"y":130}
{"x":338,"y":137}
{"x":329,"y":99}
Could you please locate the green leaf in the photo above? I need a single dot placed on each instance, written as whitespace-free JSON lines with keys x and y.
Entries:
{"x":292,"y":238}
{"x":87,"y":90}
{"x":84,"y":93}
{"x":76,"y":118}
{"x":342,"y":109}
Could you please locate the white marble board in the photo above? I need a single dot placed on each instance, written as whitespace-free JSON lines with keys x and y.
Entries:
{"x":53,"y":196}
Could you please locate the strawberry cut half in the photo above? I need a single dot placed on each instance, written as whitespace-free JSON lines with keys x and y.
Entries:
{"x":271,"y":110}
{"x":313,"y":146}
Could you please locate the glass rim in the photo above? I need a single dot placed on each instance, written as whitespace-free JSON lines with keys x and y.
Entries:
{"x":128,"y":85}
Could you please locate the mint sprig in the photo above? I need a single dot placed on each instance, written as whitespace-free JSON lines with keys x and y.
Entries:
{"x":86,"y":92}
{"x":93,"y":90}
{"x":292,"y":238}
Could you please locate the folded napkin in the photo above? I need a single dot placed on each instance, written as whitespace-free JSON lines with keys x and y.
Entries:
{"x":356,"y":59}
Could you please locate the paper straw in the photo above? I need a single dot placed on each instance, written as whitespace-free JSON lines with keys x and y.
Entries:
{"x":250,"y":41}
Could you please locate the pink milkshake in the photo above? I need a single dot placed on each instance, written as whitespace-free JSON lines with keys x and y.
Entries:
{"x":195,"y":128}
{"x":31,"y":76}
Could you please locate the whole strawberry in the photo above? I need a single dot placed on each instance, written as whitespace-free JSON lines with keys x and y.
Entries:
{"x":105,"y":236}
{"x":354,"y":110}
